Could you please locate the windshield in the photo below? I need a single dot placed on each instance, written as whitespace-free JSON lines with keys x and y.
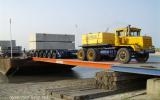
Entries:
{"x":135,"y":33}
{"x":131,"y":33}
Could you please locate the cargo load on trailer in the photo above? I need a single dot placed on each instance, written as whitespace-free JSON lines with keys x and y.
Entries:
{"x":125,"y":44}
{"x":51,"y":41}
{"x":52,"y":45}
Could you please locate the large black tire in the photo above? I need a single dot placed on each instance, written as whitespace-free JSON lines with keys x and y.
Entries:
{"x":30,"y":54}
{"x":49,"y":55}
{"x":44,"y":55}
{"x":141,"y":58}
{"x":124,"y":55}
{"x":82,"y":54}
{"x":54,"y":55}
{"x":36,"y":54}
{"x":41,"y":54}
{"x":93,"y":54}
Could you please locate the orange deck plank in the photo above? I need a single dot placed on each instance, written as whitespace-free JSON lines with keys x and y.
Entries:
{"x":75,"y":62}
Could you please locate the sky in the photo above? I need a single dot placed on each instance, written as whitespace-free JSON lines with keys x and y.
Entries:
{"x":77,"y":17}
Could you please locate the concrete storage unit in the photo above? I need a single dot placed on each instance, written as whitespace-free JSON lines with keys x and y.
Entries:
{"x":7,"y":43}
{"x":5,"y":48}
{"x":51,"y":37}
{"x":51,"y":45}
{"x":43,"y":41}
{"x":16,"y":49}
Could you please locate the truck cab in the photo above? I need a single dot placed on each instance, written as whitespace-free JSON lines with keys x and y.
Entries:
{"x":131,"y":38}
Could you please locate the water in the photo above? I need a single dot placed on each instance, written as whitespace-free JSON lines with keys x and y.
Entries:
{"x":154,"y":59}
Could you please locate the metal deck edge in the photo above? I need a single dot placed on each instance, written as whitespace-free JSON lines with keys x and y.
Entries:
{"x":146,"y":71}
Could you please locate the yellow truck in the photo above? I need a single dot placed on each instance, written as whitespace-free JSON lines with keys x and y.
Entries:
{"x":123,"y":45}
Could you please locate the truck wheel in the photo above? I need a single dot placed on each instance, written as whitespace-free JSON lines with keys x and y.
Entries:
{"x":41,"y":54}
{"x":82,"y":54}
{"x":93,"y":54}
{"x":31,"y":54}
{"x":141,"y":58}
{"x":49,"y":55}
{"x":124,"y":55}
{"x":54,"y":55}
{"x":36,"y":54}
{"x":44,"y":55}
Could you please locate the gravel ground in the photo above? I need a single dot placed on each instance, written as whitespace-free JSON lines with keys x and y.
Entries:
{"x":33,"y":87}
{"x":36,"y":91}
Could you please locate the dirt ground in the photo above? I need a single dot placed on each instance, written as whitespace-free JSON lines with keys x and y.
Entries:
{"x":36,"y":90}
{"x":31,"y":86}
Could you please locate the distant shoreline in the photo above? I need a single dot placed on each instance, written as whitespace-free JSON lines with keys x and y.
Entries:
{"x":156,"y":54}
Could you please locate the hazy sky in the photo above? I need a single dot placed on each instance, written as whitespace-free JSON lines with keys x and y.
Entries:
{"x":61,"y":16}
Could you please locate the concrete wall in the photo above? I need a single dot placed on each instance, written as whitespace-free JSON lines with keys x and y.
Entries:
{"x":153,"y":88}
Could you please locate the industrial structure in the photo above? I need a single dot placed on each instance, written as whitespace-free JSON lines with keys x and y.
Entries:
{"x":5,"y":48}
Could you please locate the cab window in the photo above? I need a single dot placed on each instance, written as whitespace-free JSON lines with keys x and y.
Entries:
{"x":120,"y":33}
{"x":135,"y":33}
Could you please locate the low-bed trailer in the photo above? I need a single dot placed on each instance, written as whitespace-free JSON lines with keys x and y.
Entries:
{"x":53,"y":53}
